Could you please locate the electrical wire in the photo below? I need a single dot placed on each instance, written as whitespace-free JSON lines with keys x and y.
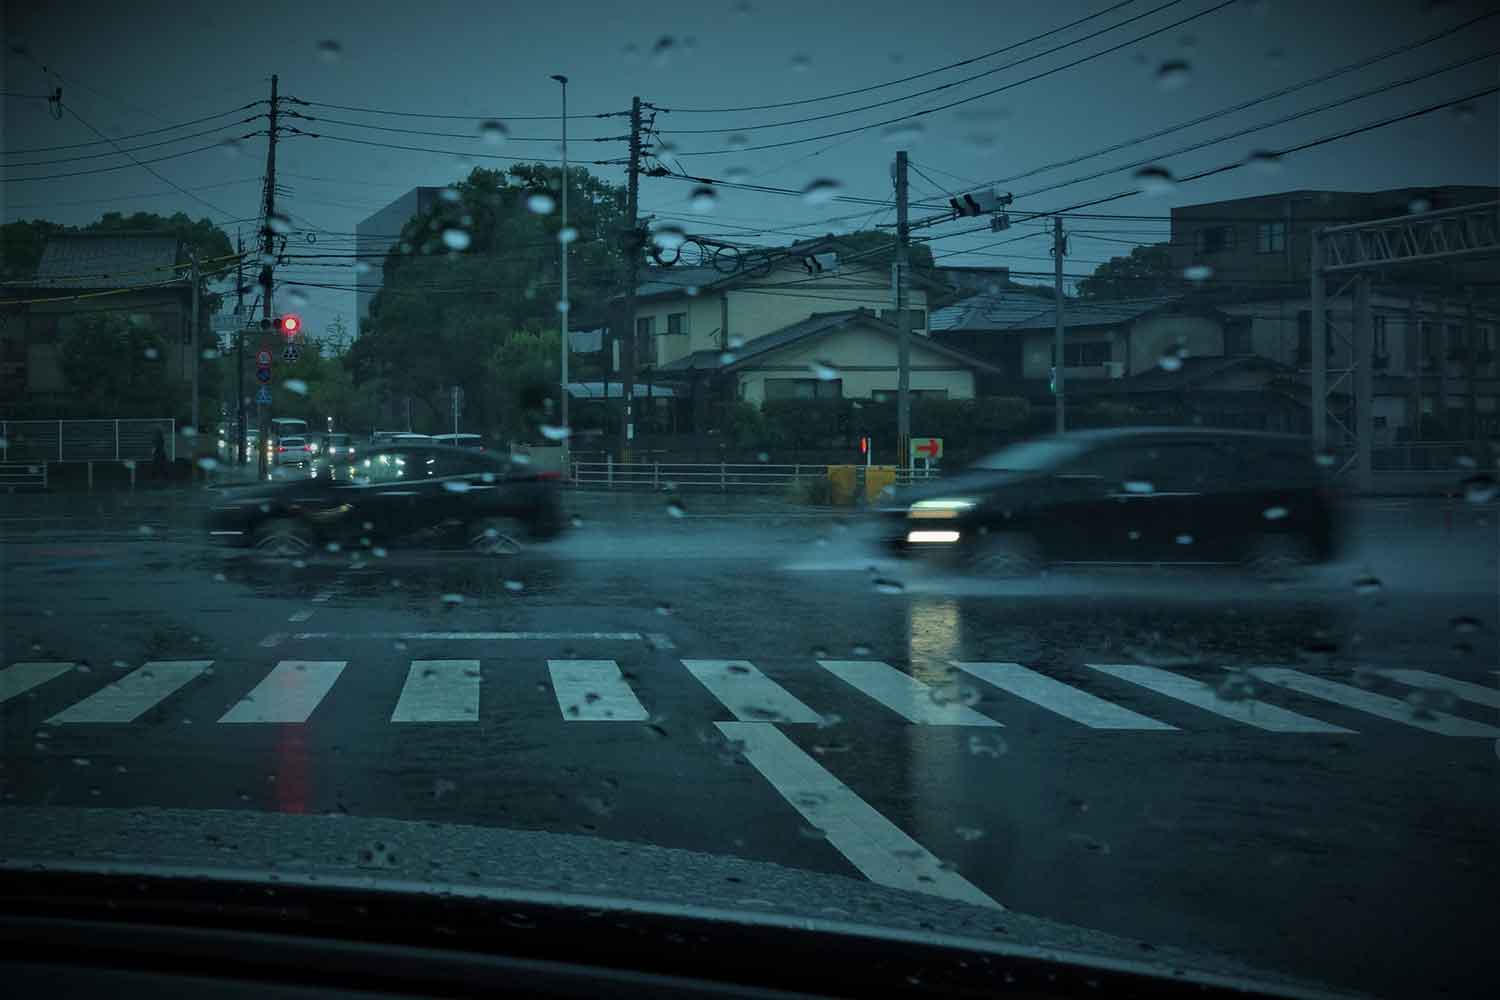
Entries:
{"x":456,"y":153}
{"x":133,"y":149}
{"x":116,"y":200}
{"x":133,"y":135}
{"x":453,"y":117}
{"x":126,"y":166}
{"x":455,"y":135}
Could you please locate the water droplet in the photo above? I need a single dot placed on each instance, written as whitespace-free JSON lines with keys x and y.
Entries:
{"x":703,"y":199}
{"x":969,"y":833}
{"x":554,"y":432}
{"x":146,"y":529}
{"x":295,"y":385}
{"x":1154,"y":181}
{"x":1480,"y":489}
{"x":820,"y":192}
{"x":1173,"y":74}
{"x":279,"y":224}
{"x":329,"y":50}
{"x":332,"y":546}
{"x":662,"y":50}
{"x":456,"y":486}
{"x":453,"y":598}
{"x":541,"y":202}
{"x":493,"y":132}
{"x":676,"y":509}
{"x":885,"y":585}
{"x":664,"y":608}
{"x":736,"y":173}
{"x":1171,"y":358}
{"x":378,"y":552}
{"x":1273,"y":513}
{"x":1464,"y":624}
{"x":823,"y":371}
{"x":907,"y":131}
{"x":736,"y":342}
{"x":1197,"y":272}
{"x":232,"y":148}
{"x":567,"y":234}
{"x":514,"y":586}
{"x":456,"y":239}
{"x":82,"y":762}
{"x":668,"y":237}
{"x":208,"y":464}
{"x":632,"y":53}
{"x":1368,"y":585}
{"x":1325,"y":458}
{"x":1264,"y":161}
{"x":736,"y":139}
{"x":1139,"y":486}
{"x":1419,"y":205}
{"x":727,"y":358}
{"x":987,"y":746}
{"x":151,"y":353}
{"x":1184,"y":539}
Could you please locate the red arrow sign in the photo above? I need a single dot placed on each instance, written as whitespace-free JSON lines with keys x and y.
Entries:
{"x":931,"y":447}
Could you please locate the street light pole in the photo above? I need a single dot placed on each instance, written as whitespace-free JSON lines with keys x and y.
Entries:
{"x":563,"y":239}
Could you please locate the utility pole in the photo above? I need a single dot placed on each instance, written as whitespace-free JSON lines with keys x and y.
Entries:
{"x":267,"y":252}
{"x":903,"y":327}
{"x":632,"y":279}
{"x":564,"y":304}
{"x":1058,"y":361}
{"x":239,"y":350}
{"x":197,"y":357}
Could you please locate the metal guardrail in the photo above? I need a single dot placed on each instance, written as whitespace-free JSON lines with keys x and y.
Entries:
{"x":85,"y":440}
{"x":23,"y":475}
{"x":1424,"y":456}
{"x":723,"y":476}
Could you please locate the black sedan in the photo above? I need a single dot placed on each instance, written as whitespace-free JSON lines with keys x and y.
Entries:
{"x":402,"y":491}
{"x":1152,"y":495}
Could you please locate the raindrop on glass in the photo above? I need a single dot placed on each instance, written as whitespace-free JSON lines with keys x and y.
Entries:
{"x":1419,"y":205}
{"x":456,"y":239}
{"x":1368,"y":585}
{"x":329,"y":50}
{"x":1273,"y":513}
{"x":703,"y":199}
{"x":1197,"y":272}
{"x":669,"y":237}
{"x":1171,"y":358}
{"x":567,"y":234}
{"x":885,"y":585}
{"x":1464,"y":624}
{"x":823,"y":371}
{"x":970,"y":833}
{"x":1480,"y":489}
{"x":541,"y":202}
{"x":676,"y":509}
{"x":801,"y":63}
{"x":907,"y":131}
{"x":820,"y":192}
{"x":208,"y":464}
{"x":279,"y":224}
{"x":453,"y":598}
{"x":1173,"y":74}
{"x":1264,"y":162}
{"x":1154,"y":181}
{"x":555,"y":433}
{"x":736,"y":139}
{"x":295,"y":385}
{"x":987,"y":746}
{"x":736,"y":173}
{"x":151,"y":353}
{"x":493,"y":132}
{"x":232,"y":148}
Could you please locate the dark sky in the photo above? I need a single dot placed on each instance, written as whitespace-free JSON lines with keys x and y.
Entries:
{"x":129,"y":68}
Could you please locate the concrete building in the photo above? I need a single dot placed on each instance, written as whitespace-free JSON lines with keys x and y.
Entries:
{"x":374,"y":238}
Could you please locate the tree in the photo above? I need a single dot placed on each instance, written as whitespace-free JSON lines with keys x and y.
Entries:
{"x":117,"y":368}
{"x":209,"y":241}
{"x":881,"y":247}
{"x":1145,"y":272}
{"x":23,"y":242}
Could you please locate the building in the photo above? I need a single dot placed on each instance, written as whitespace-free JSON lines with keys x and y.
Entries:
{"x":140,"y":276}
{"x":374,"y":238}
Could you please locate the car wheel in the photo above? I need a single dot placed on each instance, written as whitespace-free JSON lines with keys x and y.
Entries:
{"x":1278,"y":556}
{"x":1005,"y":554}
{"x":283,"y":536}
{"x":495,"y":536}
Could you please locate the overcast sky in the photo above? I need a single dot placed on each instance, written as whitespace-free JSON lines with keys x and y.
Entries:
{"x":127,"y":68}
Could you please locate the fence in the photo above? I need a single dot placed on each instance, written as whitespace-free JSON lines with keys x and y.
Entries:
{"x":85,"y":440}
{"x":722,"y":476}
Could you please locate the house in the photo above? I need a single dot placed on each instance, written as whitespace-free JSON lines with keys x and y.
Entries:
{"x":142,"y":276}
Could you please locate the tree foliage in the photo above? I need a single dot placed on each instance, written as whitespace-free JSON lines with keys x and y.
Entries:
{"x":1144,"y":272}
{"x":117,"y":368}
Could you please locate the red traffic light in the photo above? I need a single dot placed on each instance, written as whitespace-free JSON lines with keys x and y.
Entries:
{"x":864,"y":445}
{"x":289,"y":325}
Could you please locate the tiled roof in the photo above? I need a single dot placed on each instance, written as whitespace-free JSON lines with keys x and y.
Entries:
{"x":1018,"y":311}
{"x":79,"y":260}
{"x":677,"y":280}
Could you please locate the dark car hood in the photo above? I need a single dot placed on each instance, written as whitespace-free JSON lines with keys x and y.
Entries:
{"x":963,"y":483}
{"x":590,"y":874}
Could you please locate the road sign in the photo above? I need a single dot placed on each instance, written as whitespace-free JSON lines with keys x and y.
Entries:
{"x":263,"y":396}
{"x":263,"y":375}
{"x":263,"y":359}
{"x":291,"y":352}
{"x":928,"y":448}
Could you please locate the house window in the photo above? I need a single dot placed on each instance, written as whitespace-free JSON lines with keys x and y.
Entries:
{"x":803,"y":388}
{"x":916,"y":318}
{"x":1215,"y":239}
{"x":676,"y":323}
{"x":1270,"y":237}
{"x":1087,"y":354}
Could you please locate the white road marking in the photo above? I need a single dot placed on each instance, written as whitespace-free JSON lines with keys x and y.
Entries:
{"x":1376,"y":704}
{"x":133,"y":695}
{"x":484,"y":636}
{"x":322,"y":597}
{"x":594,"y":691}
{"x":748,"y":693}
{"x":1477,"y":693}
{"x":439,"y":691}
{"x":22,"y":677}
{"x":903,"y":694}
{"x":1200,"y":695}
{"x":273,"y":640}
{"x":1064,"y":699}
{"x":659,"y":641}
{"x":871,"y":843}
{"x":289,"y":693}
{"x":300,"y":616}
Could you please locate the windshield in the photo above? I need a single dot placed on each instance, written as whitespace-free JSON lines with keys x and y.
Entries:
{"x":633,"y":427}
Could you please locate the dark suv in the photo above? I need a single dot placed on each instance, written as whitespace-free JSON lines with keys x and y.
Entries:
{"x":1155,"y":495}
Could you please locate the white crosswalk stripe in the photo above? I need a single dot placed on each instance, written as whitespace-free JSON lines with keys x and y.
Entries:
{"x":19,"y":678}
{"x":1064,"y":699}
{"x":748,"y":693}
{"x":1466,"y":690}
{"x":133,"y":695}
{"x":289,"y":693}
{"x":1249,"y":711}
{"x":439,"y":691}
{"x":594,"y":691}
{"x":903,"y":694}
{"x":1375,"y":704}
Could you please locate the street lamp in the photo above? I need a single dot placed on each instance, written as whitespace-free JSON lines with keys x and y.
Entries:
{"x":562,"y":238}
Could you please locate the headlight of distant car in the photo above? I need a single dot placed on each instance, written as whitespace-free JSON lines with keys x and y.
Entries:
{"x":942,"y":508}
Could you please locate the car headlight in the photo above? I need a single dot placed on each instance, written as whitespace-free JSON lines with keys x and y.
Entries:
{"x":941,"y":508}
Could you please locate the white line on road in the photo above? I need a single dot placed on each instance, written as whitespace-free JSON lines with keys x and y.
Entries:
{"x":657,"y":640}
{"x":871,"y":843}
{"x":300,"y":616}
{"x":273,"y":640}
{"x":22,"y":677}
{"x":322,"y":597}
{"x":748,"y":693}
{"x":1064,"y":699}
{"x":594,"y":691}
{"x":485,"y":636}
{"x":1477,"y":693}
{"x":130,"y":697}
{"x":903,"y":694}
{"x":289,"y":693}
{"x":1200,"y":695}
{"x":1375,"y":704}
{"x":439,"y":691}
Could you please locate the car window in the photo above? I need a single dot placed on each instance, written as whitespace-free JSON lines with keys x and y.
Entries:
{"x":1030,"y":456}
{"x":1159,"y":466}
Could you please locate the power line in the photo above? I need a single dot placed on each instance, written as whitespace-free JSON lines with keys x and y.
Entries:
{"x":127,"y":138}
{"x":453,"y":117}
{"x":451,"y":135}
{"x":457,"y":153}
{"x":127,"y":197}
{"x":123,"y":166}
{"x":133,"y":149}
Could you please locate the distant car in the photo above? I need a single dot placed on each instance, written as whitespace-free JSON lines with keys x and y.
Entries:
{"x":338,"y":447}
{"x":1154,"y":495}
{"x":478,"y":500}
{"x":473,"y":441}
{"x":292,"y":451}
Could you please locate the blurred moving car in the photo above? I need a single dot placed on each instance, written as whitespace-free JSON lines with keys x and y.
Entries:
{"x":1154,"y":495}
{"x":473,"y":441}
{"x":292,"y":451}
{"x":338,"y":447}
{"x":480,"y":500}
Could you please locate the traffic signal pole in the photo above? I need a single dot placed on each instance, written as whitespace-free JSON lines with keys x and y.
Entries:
{"x":1058,"y":361}
{"x":632,"y":279}
{"x":239,"y":352}
{"x":903,"y":325}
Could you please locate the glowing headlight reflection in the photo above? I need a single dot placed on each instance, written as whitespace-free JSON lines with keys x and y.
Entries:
{"x":944,"y":508}
{"x":918,"y":537}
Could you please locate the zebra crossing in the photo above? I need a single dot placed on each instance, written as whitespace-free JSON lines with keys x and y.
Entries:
{"x":448,"y":691}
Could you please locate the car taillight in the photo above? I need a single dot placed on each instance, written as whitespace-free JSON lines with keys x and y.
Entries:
{"x":281,"y":447}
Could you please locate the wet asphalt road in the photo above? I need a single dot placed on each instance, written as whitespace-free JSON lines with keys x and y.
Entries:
{"x":1301,"y":777}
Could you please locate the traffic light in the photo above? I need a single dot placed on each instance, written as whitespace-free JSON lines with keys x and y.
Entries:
{"x":289,"y":325}
{"x":864,"y":444}
{"x":978,"y":202}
